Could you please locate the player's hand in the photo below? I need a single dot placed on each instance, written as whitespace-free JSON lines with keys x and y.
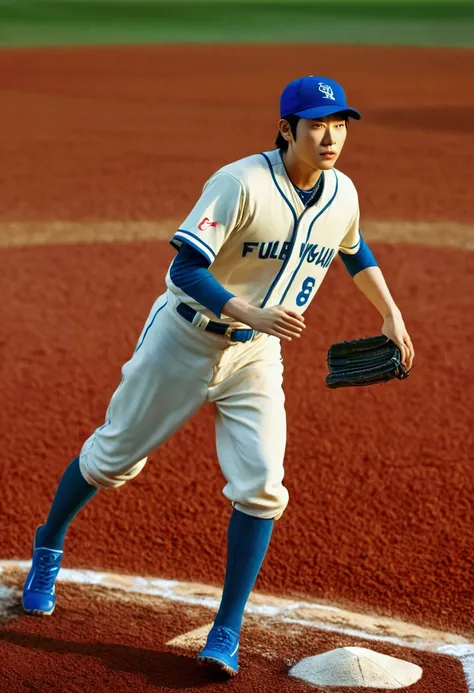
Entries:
{"x":394,"y":328}
{"x":277,"y":322}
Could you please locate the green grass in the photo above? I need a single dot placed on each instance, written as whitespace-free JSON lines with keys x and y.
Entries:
{"x":424,"y":6}
{"x":190,"y":10}
{"x":413,"y":22}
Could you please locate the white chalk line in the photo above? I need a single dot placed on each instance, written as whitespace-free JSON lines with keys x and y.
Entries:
{"x":301,"y":613}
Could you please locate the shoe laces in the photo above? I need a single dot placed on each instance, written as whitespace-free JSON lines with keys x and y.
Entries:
{"x":223,"y":639}
{"x":47,"y":568}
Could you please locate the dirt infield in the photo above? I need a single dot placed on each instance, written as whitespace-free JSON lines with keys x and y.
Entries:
{"x":132,"y":133}
{"x":96,"y":642}
{"x":103,"y":149}
{"x":379,"y":513}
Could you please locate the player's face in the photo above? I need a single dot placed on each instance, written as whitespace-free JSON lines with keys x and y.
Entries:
{"x":319,"y":142}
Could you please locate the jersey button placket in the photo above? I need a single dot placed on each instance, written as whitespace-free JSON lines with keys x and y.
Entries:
{"x":288,"y":270}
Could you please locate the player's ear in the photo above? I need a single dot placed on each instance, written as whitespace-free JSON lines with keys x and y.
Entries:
{"x":284,"y":128}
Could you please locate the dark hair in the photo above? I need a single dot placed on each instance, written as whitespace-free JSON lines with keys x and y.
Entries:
{"x":280,"y":141}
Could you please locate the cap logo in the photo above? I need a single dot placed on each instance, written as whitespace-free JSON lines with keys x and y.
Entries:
{"x":326,"y":90}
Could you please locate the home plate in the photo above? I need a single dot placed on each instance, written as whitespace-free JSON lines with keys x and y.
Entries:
{"x":356,"y":666}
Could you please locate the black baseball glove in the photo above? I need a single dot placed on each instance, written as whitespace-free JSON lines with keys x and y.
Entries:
{"x":364,"y":362}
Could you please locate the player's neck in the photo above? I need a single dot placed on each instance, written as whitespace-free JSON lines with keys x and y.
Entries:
{"x":303,"y":176}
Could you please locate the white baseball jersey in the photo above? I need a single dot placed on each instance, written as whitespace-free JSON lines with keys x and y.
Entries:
{"x":266,"y":247}
{"x":263,"y":244}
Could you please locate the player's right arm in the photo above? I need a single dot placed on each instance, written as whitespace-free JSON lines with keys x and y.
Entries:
{"x":218,"y":213}
{"x":275,"y":321}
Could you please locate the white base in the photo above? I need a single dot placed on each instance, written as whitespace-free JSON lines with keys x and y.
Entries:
{"x":357,"y":666}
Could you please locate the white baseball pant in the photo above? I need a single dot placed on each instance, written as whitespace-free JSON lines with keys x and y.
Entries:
{"x":176,"y":368}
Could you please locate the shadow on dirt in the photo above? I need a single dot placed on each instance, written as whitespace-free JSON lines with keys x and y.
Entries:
{"x":164,"y":669}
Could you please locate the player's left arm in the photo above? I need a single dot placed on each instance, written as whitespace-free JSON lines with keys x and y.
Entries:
{"x":371,"y":282}
{"x":362,"y":266}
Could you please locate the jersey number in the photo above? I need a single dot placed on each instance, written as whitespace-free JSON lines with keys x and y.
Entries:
{"x":306,"y":289}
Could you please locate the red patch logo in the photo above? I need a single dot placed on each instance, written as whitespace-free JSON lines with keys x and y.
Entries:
{"x":206,"y":224}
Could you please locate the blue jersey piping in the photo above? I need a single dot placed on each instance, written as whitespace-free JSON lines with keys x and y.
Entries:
{"x":308,"y":236}
{"x":293,"y":236}
{"x":351,"y":247}
{"x":148,"y":326}
{"x":193,"y":235}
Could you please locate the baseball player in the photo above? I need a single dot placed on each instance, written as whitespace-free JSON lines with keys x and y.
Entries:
{"x":251,"y":257}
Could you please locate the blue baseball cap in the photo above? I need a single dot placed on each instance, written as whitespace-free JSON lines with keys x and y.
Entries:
{"x":314,"y":97}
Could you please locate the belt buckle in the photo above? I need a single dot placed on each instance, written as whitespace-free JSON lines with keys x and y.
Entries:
{"x":227,"y":335}
{"x":238,"y":326}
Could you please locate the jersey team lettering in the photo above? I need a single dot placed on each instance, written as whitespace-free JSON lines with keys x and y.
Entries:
{"x":249,"y":225}
{"x":271,"y":250}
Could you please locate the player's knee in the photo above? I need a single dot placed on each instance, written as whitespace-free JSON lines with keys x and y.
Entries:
{"x":267,"y":501}
{"x":106,"y":476}
{"x":108,"y":470}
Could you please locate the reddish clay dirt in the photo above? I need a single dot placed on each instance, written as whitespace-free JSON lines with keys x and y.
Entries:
{"x":132,"y":133}
{"x":102,"y":646}
{"x":380,"y":479}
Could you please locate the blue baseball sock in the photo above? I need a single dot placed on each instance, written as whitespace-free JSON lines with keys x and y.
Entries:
{"x":72,"y":494}
{"x":248,"y":540}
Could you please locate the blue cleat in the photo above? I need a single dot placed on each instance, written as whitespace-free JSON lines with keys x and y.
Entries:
{"x":39,"y":593}
{"x":221,"y":651}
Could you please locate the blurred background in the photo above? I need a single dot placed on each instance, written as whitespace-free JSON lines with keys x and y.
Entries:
{"x":404,"y":22}
{"x":112,"y":116}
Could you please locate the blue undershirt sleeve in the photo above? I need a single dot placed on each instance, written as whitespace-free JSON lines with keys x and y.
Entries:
{"x":359,"y":261}
{"x":190,"y":273}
